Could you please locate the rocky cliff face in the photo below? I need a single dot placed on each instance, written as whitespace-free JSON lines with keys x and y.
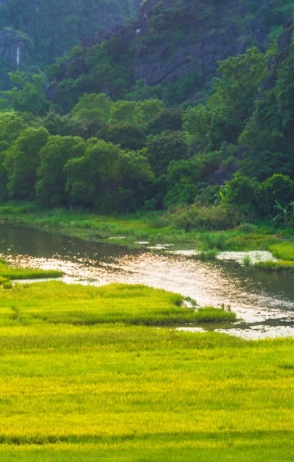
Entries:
{"x":173,"y":39}
{"x":54,"y":26}
{"x":13,"y":47}
{"x":208,"y":35}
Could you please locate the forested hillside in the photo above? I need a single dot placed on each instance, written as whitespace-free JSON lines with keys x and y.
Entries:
{"x":34,"y":33}
{"x":190,"y":107}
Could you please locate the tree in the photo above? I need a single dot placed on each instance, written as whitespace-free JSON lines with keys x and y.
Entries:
{"x":122,"y":112}
{"x":146,"y":110}
{"x":22,"y":161}
{"x":231,"y":104}
{"x":181,"y":179}
{"x":51,"y":178}
{"x":241,"y":190}
{"x":167,"y":119}
{"x":128,"y":136}
{"x":91,"y":106}
{"x":28,"y":93}
{"x":268,"y":135}
{"x":11,"y":125}
{"x":278,"y":189}
{"x":3,"y":179}
{"x":135,"y":182}
{"x":92,"y":179}
{"x":163,"y":148}
{"x":63,"y":125}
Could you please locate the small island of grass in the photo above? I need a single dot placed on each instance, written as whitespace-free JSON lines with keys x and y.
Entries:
{"x":9,"y":272}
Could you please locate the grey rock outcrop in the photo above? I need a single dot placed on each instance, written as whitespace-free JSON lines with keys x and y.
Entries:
{"x":201,"y":46}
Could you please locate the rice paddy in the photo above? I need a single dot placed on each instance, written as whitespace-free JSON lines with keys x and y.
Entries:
{"x":86,"y":373}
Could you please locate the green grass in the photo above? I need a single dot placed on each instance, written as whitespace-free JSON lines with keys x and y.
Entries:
{"x":58,"y":303}
{"x":83,"y":376}
{"x":154,"y":227}
{"x":135,"y":393}
{"x":276,"y":266}
{"x":8,"y":272}
{"x":283,"y":250}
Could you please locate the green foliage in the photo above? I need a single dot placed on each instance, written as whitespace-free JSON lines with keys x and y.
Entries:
{"x":241,"y":190}
{"x":93,"y":105}
{"x":243,"y":122}
{"x":205,"y":218}
{"x":135,"y":182}
{"x":276,"y":189}
{"x":54,"y":27}
{"x":268,"y":135}
{"x":184,"y":88}
{"x":140,"y":91}
{"x":11,"y":125}
{"x":90,"y":178}
{"x":28,"y":94}
{"x":127,"y":135}
{"x":122,"y":111}
{"x":51,"y":178}
{"x":108,"y":179}
{"x":165,"y":147}
{"x":63,"y":125}
{"x":22,"y":160}
{"x":96,"y":71}
{"x":230,"y":106}
{"x":181,"y":180}
{"x":168,"y":119}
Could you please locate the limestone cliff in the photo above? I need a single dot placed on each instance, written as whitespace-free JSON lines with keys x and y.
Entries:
{"x":197,"y":35}
{"x":54,"y":26}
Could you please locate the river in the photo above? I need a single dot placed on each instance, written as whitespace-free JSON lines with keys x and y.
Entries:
{"x":264,"y":302}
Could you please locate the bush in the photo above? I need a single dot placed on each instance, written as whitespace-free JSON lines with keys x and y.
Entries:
{"x":241,"y":190}
{"x":209,"y":218}
{"x":276,"y":189}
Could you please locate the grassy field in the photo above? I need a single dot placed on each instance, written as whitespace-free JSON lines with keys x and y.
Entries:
{"x":8,"y":272}
{"x":86,"y":374}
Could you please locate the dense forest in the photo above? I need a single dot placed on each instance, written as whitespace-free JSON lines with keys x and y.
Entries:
{"x":188,"y":108}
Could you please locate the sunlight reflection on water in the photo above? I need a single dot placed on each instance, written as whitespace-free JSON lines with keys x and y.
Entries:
{"x":255,"y":296}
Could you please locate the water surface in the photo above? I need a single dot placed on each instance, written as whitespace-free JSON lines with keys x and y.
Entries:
{"x":264,"y":301}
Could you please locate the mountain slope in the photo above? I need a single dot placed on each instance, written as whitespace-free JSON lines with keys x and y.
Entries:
{"x":36,"y":32}
{"x":175,"y":44}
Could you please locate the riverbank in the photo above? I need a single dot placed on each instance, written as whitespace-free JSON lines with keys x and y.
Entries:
{"x":155,"y":231}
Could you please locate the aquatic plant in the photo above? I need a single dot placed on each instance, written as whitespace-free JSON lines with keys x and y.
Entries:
{"x":247,"y":261}
{"x":210,"y":254}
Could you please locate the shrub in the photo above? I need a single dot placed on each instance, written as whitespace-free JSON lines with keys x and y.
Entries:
{"x":205,"y":218}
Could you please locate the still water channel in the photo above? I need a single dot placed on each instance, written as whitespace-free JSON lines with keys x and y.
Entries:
{"x":264,"y":302}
